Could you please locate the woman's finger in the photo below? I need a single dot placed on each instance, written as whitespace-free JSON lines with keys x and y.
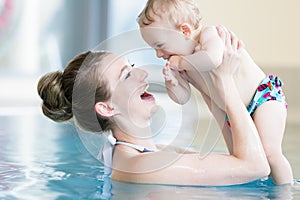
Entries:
{"x":227,"y":40}
{"x":240,"y":44}
{"x":225,"y":36}
{"x":221,"y":33}
{"x":234,"y":41}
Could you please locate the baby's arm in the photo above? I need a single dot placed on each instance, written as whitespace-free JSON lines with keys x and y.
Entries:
{"x":211,"y":51}
{"x":177,"y":87}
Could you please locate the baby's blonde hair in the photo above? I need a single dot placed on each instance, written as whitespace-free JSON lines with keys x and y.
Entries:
{"x":176,"y":11}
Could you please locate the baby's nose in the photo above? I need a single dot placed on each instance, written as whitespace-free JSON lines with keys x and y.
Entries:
{"x":159,"y":53}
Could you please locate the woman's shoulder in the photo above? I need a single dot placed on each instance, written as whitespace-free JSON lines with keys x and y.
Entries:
{"x":170,"y":148}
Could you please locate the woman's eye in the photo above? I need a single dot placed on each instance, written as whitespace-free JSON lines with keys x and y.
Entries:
{"x":127,"y":75}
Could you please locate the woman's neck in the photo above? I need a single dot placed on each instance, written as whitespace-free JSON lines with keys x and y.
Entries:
{"x":138,"y":136}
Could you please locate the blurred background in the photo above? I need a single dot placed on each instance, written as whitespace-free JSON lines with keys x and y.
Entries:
{"x":37,"y":37}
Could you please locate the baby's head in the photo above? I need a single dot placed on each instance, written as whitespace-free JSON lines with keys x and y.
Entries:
{"x":171,"y":27}
{"x":175,"y":12}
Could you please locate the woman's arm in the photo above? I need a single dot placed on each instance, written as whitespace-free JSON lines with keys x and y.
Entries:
{"x":220,"y":117}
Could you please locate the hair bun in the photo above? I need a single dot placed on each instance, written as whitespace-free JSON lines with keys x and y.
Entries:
{"x":55,"y":105}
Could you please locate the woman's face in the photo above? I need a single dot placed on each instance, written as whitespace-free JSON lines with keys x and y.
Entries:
{"x":128,"y":88}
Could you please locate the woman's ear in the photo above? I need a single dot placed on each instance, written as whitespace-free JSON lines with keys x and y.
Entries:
{"x":186,"y":29}
{"x":104,"y":109}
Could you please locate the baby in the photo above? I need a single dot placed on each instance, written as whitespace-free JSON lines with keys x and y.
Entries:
{"x":173,"y":28}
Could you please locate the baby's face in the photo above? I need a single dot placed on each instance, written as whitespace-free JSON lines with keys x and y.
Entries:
{"x":167,"y":40}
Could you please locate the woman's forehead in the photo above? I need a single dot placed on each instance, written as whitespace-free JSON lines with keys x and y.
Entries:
{"x":114,"y":60}
{"x":112,"y":66}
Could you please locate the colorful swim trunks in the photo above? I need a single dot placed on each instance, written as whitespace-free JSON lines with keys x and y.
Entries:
{"x":269,"y":89}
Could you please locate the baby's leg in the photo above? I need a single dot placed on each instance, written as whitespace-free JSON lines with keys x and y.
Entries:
{"x":270,"y":120}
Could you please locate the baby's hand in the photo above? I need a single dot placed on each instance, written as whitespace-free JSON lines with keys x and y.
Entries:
{"x":169,"y":75}
{"x":175,"y":63}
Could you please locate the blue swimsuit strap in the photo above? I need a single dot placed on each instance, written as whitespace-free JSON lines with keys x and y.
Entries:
{"x":106,"y":152}
{"x":140,"y":148}
{"x":135,"y":146}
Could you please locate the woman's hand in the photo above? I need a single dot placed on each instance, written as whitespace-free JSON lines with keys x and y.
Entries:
{"x":222,"y":76}
{"x":231,"y":54}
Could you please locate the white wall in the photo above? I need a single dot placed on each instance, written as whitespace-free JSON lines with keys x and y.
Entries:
{"x":269,"y":28}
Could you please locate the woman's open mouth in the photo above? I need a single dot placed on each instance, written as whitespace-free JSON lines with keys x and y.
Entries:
{"x":147,"y":96}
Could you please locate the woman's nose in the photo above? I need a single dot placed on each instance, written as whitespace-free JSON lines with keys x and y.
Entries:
{"x":140,"y":74}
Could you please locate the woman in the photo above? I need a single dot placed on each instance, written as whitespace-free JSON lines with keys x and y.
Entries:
{"x":102,"y":92}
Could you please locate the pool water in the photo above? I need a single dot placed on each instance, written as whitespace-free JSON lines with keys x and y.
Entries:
{"x":40,"y":159}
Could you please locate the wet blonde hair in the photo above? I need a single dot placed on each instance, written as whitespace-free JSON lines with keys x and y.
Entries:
{"x":74,"y":92}
{"x":176,"y":11}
